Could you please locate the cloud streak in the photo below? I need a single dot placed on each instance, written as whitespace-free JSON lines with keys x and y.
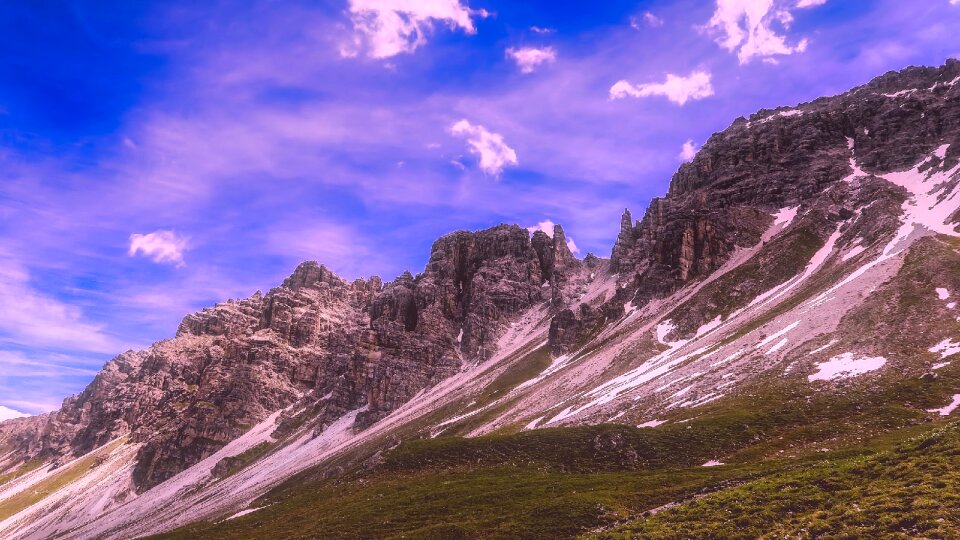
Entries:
{"x":32,"y":318}
{"x":675,"y":88}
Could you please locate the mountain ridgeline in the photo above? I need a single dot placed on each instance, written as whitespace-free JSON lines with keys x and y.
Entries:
{"x":793,"y":291}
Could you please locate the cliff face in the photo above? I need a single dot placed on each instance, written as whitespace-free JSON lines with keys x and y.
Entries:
{"x":723,"y":198}
{"x":330,"y":345}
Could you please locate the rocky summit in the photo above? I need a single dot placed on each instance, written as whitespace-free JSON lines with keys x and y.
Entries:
{"x":780,"y":326}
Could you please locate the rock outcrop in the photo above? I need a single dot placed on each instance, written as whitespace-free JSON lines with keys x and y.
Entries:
{"x":723,"y":198}
{"x":330,"y":345}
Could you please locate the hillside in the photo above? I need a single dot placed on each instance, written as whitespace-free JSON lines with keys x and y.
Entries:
{"x":786,"y":312}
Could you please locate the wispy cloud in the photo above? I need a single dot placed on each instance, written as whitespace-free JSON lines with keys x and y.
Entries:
{"x":30,"y":317}
{"x":541,"y":30}
{"x":646,"y":19}
{"x":675,"y":88}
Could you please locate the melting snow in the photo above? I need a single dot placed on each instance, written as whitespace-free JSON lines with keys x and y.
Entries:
{"x":944,"y":411}
{"x":941,"y":152}
{"x":776,"y":335}
{"x":663,"y":330}
{"x":244,"y":512}
{"x":857,"y":171}
{"x":785,"y":216}
{"x":730,"y":358}
{"x":712,"y":463}
{"x":815,"y":262}
{"x":825,"y":347}
{"x":942,"y":293}
{"x":923,"y":209}
{"x":854,"y":251}
{"x":652,"y":423}
{"x":946,"y":348}
{"x":940,"y":365}
{"x":845,"y":365}
{"x":778,"y":346}
{"x":533,"y":423}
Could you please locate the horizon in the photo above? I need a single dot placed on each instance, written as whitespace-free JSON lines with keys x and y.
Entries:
{"x":162,"y":158}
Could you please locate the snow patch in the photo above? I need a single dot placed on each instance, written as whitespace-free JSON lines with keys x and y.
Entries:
{"x":853,"y":252}
{"x":533,"y":423}
{"x":944,"y":411}
{"x":845,"y":366}
{"x":785,"y":216}
{"x":945,"y":348}
{"x":712,"y":463}
{"x":663,"y":330}
{"x":244,"y":512}
{"x":652,"y":424}
{"x":776,"y":335}
{"x":854,"y":166}
{"x":778,"y":346}
{"x":942,"y":293}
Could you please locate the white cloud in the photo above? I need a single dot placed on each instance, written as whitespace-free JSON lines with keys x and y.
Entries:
{"x":747,"y":27}
{"x":541,"y":30}
{"x":688,"y":151}
{"x":547,"y":227}
{"x":676,"y":88}
{"x":494,"y":153}
{"x":392,"y":27}
{"x":7,"y":413}
{"x":528,"y":58}
{"x":652,"y":20}
{"x":159,"y":246}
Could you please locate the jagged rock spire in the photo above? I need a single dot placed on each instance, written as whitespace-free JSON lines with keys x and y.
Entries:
{"x":561,"y":250}
{"x":625,"y":240}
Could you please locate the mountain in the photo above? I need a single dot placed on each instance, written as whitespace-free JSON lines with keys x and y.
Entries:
{"x":786,"y":312}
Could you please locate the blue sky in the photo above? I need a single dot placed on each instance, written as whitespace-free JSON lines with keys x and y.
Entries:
{"x":159,"y":157}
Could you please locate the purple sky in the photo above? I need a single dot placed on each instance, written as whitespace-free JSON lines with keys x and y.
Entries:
{"x":159,"y":157}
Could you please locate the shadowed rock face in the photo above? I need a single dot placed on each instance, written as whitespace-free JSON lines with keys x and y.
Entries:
{"x":333,"y":345}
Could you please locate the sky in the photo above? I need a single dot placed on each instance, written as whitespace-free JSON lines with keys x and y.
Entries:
{"x":159,"y":157}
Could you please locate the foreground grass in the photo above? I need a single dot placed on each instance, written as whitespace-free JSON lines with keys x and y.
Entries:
{"x":910,"y":492}
{"x":565,"y":482}
{"x":501,"y":502}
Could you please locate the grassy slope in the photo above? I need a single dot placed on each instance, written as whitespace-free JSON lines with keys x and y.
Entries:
{"x":558,"y":483}
{"x":912,"y":491}
{"x":41,"y":490}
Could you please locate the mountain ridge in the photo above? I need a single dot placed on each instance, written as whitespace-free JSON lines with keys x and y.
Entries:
{"x":773,"y":245}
